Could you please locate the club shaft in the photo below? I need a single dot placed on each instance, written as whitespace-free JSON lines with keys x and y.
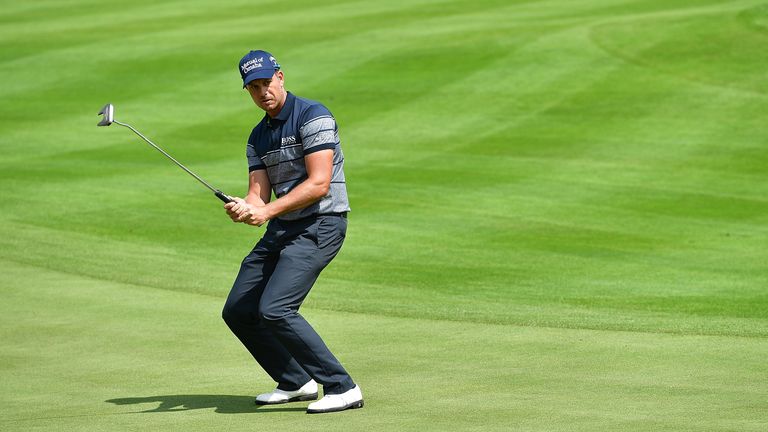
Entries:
{"x":168,"y":156}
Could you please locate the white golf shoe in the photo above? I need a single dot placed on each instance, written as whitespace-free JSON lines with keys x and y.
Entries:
{"x":307,"y":392}
{"x":337,"y":402}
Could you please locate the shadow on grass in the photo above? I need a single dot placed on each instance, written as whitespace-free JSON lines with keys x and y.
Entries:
{"x":223,"y":404}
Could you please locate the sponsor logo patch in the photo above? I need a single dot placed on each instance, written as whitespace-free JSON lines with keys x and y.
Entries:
{"x":252,"y":64}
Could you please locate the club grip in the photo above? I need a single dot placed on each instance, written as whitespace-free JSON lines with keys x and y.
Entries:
{"x":222,"y":196}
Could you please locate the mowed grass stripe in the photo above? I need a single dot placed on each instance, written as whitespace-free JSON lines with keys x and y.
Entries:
{"x":83,"y":366}
{"x":188,"y":271}
{"x":123,"y":47}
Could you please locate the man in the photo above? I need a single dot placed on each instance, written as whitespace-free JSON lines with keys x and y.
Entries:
{"x":294,"y":152}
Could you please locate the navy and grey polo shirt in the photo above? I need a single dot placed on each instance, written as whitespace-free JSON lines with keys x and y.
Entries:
{"x":279,"y":145}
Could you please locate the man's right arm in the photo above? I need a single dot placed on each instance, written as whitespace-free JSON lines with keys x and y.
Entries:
{"x":259,"y":194}
{"x":259,"y":188}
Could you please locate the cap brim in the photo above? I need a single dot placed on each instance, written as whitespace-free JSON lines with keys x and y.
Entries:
{"x":259,"y":74}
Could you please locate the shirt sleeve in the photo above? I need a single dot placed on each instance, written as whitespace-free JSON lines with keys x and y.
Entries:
{"x":319,"y":131}
{"x":254,"y":161}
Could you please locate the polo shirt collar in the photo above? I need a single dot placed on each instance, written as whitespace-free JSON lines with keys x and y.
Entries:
{"x":287,"y":107}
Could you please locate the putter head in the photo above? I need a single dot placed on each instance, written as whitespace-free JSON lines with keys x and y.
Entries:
{"x":109,"y":115}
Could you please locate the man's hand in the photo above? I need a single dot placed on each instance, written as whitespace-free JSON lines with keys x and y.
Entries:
{"x":235,"y":208}
{"x":256,"y":215}
{"x":240,"y":211}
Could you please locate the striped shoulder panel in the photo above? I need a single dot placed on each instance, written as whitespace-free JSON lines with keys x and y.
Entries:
{"x":320,"y":131}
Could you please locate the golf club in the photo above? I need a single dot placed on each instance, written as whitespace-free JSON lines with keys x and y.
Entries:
{"x":109,"y":117}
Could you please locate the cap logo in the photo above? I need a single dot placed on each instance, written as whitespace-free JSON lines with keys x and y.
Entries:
{"x":252,"y":64}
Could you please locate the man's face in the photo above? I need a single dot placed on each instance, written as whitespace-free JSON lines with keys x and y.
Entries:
{"x":268,"y":93}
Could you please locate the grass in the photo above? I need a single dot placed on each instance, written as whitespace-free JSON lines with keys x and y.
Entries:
{"x":559,"y":213}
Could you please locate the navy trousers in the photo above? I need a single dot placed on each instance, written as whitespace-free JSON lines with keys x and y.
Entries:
{"x":262,"y":308}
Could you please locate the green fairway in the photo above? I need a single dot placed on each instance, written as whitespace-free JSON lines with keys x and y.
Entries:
{"x":560,"y":213}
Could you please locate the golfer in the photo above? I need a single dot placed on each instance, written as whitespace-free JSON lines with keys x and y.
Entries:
{"x":293,"y":152}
